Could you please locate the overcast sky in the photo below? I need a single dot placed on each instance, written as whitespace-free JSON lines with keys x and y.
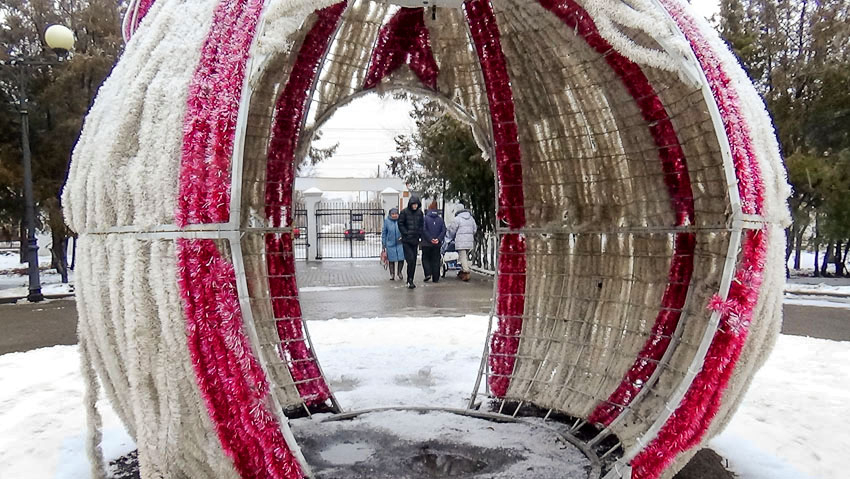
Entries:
{"x":365,"y":128}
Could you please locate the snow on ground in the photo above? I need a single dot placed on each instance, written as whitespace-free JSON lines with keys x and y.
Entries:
{"x":14,"y":280}
{"x":834,"y":286}
{"x":42,"y":422}
{"x":793,"y":423}
{"x":796,"y":410}
{"x":807,"y":262}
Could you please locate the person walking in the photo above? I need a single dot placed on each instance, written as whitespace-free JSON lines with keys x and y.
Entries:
{"x":433,"y":235}
{"x":391,"y":241}
{"x":462,"y":231}
{"x":410,"y":224}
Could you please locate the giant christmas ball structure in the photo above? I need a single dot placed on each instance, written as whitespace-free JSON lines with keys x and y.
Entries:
{"x":641,"y":205}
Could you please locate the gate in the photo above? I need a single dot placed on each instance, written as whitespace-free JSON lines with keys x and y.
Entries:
{"x":299,"y":232}
{"x":349,"y":230}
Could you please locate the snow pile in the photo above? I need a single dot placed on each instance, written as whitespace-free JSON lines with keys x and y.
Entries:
{"x":795,"y":410}
{"x":42,"y":421}
{"x":820,"y":288}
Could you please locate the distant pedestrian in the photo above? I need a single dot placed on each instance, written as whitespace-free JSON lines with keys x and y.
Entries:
{"x":391,"y":241}
{"x":462,"y":232}
{"x":433,"y":235}
{"x":410,"y":224}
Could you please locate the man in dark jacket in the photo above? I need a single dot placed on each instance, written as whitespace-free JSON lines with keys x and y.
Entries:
{"x":410,"y":223}
{"x":433,"y":235}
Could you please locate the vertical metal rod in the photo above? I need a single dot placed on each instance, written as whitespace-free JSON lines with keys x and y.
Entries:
{"x":29,"y":203}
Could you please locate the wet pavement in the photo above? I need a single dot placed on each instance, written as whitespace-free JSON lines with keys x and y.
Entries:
{"x":362,"y":289}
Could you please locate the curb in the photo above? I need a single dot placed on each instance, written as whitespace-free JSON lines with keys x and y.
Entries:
{"x":831,"y":294}
{"x":15,"y":299}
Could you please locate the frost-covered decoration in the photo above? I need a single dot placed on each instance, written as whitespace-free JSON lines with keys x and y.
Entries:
{"x":510,"y":302}
{"x":231,"y":380}
{"x":132,"y":136}
{"x":631,"y":152}
{"x":210,"y":124}
{"x":136,"y":12}
{"x":645,"y":16}
{"x":677,"y":180}
{"x":290,"y":110}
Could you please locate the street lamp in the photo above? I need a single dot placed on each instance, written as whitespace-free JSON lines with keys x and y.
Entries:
{"x":61,"y":40}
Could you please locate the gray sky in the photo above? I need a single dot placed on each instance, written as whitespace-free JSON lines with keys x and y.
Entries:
{"x":365,"y":128}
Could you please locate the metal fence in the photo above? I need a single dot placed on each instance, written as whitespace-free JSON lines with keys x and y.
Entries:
{"x":349,"y":230}
{"x":299,"y":234}
{"x":484,"y":253}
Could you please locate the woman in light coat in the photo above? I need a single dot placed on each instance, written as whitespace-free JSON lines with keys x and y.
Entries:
{"x":391,"y":241}
{"x":462,"y":232}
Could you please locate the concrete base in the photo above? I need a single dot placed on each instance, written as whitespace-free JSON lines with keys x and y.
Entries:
{"x":407,"y":444}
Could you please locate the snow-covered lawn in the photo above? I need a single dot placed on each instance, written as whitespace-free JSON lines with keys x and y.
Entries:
{"x":14,"y":281}
{"x":793,"y":423}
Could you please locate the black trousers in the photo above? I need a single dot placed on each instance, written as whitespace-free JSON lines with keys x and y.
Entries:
{"x":410,"y":251}
{"x":431,"y":262}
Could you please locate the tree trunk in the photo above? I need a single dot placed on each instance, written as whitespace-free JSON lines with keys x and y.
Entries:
{"x":789,"y":246}
{"x":817,"y":250}
{"x":798,"y":248}
{"x":838,"y":260}
{"x":73,"y":254}
{"x":826,"y":256}
{"x":59,"y":254}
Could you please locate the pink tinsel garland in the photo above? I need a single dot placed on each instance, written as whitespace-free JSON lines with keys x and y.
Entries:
{"x":404,"y":39}
{"x":230,"y":379}
{"x":287,"y":309}
{"x":510,"y":304}
{"x":212,"y":108}
{"x":689,"y":423}
{"x":290,"y":108}
{"x":676,"y":178}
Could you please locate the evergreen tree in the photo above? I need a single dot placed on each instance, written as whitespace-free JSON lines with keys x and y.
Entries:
{"x":798,"y":54}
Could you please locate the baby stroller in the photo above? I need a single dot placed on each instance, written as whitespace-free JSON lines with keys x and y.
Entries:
{"x":450,"y":257}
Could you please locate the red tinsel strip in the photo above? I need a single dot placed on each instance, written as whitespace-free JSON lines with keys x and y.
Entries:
{"x":510,"y":306}
{"x":485,"y":35}
{"x":284,"y":291}
{"x":290,"y":108}
{"x":676,"y":178}
{"x":510,"y":303}
{"x":229,"y":377}
{"x":212,"y":109}
{"x":747,"y":169}
{"x":688,"y":424}
{"x":404,"y":40}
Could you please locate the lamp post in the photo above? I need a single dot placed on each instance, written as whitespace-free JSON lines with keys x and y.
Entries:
{"x":61,"y":40}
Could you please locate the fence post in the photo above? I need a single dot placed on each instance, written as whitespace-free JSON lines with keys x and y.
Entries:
{"x":312,"y":197}
{"x":389,"y":199}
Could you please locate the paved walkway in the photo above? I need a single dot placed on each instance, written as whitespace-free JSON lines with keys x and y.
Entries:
{"x":362,"y":289}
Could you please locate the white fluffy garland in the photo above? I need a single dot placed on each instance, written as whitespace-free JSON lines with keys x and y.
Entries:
{"x":126,"y":161}
{"x":648,"y":17}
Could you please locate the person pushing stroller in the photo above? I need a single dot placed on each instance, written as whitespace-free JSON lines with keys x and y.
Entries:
{"x":462,"y":231}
